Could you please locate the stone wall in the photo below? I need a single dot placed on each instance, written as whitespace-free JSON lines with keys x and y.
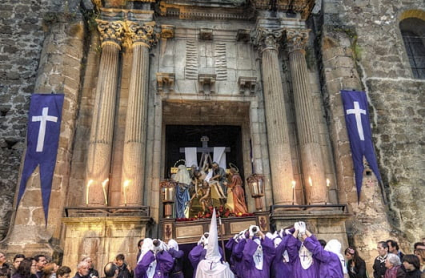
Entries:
{"x":363,"y":49}
{"x":21,"y":38}
{"x":45,"y":50}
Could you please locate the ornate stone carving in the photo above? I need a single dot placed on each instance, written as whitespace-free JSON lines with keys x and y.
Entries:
{"x":296,"y":39}
{"x":165,"y":81}
{"x":247,"y":84}
{"x":206,"y":34}
{"x":207,"y":80}
{"x":266,"y":38}
{"x":167,"y":31}
{"x":111,"y":32}
{"x":142,"y":34}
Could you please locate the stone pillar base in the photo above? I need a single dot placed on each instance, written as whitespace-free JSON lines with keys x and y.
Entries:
{"x":325,"y":222}
{"x":104,"y":233}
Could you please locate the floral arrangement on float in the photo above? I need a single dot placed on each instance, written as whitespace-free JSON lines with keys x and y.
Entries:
{"x":221,"y":211}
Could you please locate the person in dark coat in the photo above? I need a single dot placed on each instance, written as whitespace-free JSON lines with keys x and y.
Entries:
{"x":173,"y":249}
{"x":124,"y":271}
{"x":412,"y":265}
{"x":356,"y":266}
{"x":26,"y":269}
{"x":379,"y":263}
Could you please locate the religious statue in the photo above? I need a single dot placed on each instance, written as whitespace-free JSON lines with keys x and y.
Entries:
{"x":237,"y":191}
{"x":205,"y":196}
{"x":219,"y":180}
{"x":183,"y":179}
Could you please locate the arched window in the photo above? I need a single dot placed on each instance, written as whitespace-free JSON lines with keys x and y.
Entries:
{"x":413,"y":32}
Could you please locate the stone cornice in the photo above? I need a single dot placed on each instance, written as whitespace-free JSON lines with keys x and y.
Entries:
{"x":111,"y":32}
{"x":296,"y":39}
{"x":141,"y":33}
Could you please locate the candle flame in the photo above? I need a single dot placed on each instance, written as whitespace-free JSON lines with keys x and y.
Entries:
{"x":89,"y":183}
{"x":293,"y":184}
{"x":310,"y":181}
{"x":328,"y":183}
{"x":126,"y":183}
{"x":105,"y":182}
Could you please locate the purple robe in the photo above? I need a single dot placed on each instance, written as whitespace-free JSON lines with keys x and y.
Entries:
{"x":164,"y":263}
{"x":249,"y":269}
{"x":294,"y":259}
{"x":237,"y":255}
{"x":330,"y":264}
{"x":281,"y":269}
{"x":229,"y":246}
{"x":197,"y":254}
{"x":177,"y":270}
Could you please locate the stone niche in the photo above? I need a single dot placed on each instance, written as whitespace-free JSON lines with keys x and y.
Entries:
{"x":102,"y":233}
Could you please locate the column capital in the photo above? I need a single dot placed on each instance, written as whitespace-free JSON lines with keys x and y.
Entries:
{"x":111,"y":32}
{"x":267,"y":38}
{"x":142,"y":33}
{"x":296,"y":39}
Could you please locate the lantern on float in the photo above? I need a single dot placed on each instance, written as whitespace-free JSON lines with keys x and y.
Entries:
{"x":168,"y":193}
{"x":256,"y":185}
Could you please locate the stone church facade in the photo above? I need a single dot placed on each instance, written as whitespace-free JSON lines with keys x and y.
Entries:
{"x":141,"y":77}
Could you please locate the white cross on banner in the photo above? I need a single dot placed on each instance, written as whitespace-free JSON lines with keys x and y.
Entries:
{"x":43,"y":119}
{"x":358,"y":116}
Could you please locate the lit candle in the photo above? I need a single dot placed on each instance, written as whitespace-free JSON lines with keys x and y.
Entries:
{"x":126,"y":183}
{"x":293,"y":192}
{"x":310,"y":181}
{"x":328,"y":183}
{"x":104,"y":183}
{"x":87,"y":191}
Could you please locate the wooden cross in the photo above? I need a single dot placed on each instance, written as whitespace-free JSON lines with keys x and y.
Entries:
{"x":205,"y":150}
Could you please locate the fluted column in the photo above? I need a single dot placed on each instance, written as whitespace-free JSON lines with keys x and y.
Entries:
{"x":277,"y":124}
{"x":142,"y":37}
{"x":307,"y":130}
{"x":102,"y":128}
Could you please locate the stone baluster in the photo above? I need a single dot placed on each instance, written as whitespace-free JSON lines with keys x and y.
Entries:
{"x":102,"y":127}
{"x":277,"y":125}
{"x":307,"y":130}
{"x":142,"y":37}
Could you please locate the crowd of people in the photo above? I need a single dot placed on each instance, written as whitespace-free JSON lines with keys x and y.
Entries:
{"x":292,"y":252}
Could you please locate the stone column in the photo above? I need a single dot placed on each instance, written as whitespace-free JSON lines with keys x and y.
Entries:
{"x":277,"y":125}
{"x":101,"y":133}
{"x":308,"y":134}
{"x":142,"y":37}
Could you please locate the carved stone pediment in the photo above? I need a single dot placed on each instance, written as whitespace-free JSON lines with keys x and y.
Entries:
{"x":165,"y":82}
{"x":303,"y":7}
{"x":247,"y":84}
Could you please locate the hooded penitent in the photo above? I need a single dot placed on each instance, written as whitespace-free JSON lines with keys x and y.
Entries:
{"x":212,"y":266}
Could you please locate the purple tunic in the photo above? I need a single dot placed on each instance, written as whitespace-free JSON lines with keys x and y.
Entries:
{"x":229,"y":246}
{"x":281,"y":269}
{"x":177,"y":271}
{"x":249,"y":269}
{"x":164,"y":263}
{"x":197,"y":254}
{"x":330,"y":264}
{"x":237,"y":255}
{"x":297,"y":270}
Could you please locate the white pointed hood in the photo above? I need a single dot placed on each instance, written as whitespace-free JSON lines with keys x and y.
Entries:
{"x":213,"y":254}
